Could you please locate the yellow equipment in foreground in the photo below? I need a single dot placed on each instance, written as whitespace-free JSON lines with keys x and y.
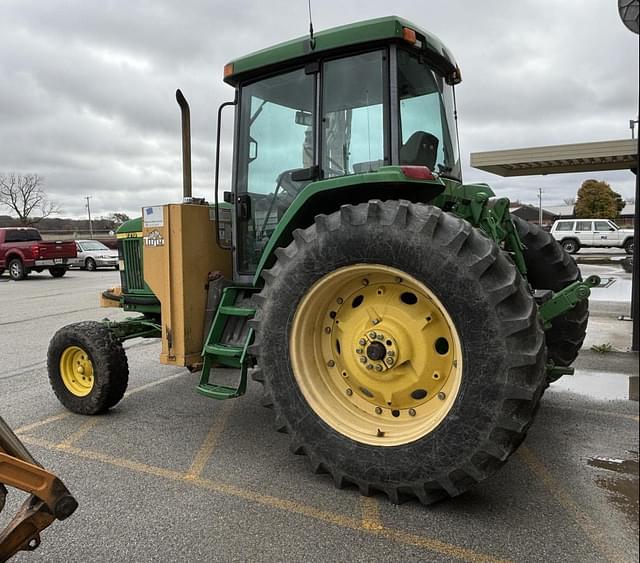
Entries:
{"x":48,"y":498}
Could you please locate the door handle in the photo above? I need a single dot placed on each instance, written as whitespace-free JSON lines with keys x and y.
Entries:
{"x":243,"y":207}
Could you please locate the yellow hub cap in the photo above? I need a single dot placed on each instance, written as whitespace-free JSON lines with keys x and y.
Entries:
{"x":76,"y":371}
{"x":376,"y":354}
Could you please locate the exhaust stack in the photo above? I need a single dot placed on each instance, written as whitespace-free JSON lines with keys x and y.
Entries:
{"x":186,"y":146}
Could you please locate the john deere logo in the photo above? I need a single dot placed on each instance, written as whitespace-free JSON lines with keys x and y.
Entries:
{"x":154,"y":238}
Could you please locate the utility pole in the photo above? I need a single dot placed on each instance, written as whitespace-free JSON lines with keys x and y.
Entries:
{"x":88,"y":197}
{"x":540,"y":207}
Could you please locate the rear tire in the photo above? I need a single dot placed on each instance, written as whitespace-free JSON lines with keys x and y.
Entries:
{"x":571,"y":246}
{"x":477,"y":294}
{"x":550,"y":267}
{"x":88,"y":368}
{"x":58,"y":271}
{"x":628,"y":246}
{"x":17,"y":271}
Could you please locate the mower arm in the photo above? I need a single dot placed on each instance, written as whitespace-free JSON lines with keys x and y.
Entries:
{"x":48,"y":498}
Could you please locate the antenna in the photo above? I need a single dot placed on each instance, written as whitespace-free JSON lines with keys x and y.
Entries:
{"x":312,"y":41}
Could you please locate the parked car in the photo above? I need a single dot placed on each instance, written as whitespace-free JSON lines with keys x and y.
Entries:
{"x":22,"y":251}
{"x":573,"y":234}
{"x":92,"y":254}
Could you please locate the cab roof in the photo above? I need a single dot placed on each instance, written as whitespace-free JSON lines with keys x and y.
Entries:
{"x":332,"y":41}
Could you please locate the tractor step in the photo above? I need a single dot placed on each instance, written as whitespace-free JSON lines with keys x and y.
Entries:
{"x":232,"y":355}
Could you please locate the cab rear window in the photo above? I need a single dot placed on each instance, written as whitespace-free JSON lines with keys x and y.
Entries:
{"x":22,"y":235}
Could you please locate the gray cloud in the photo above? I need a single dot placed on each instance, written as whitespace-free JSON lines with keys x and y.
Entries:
{"x":87,"y":97}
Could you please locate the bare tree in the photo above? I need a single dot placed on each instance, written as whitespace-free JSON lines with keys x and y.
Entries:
{"x":24,"y":195}
{"x":569,"y":201}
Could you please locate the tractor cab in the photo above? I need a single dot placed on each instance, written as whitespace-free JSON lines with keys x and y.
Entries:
{"x":309,"y":112}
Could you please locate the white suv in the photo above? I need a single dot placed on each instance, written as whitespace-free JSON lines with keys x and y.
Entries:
{"x":573,"y":234}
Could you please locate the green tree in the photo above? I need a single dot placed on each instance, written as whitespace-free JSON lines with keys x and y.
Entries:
{"x":596,"y":199}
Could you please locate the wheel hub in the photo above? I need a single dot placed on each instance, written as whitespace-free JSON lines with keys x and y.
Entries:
{"x":387,"y":353}
{"x":76,"y":371}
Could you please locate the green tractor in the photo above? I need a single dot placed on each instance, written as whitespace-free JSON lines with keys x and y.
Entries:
{"x":402,"y":323}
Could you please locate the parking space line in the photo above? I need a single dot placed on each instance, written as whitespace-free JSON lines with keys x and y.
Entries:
{"x":66,"y":414}
{"x":370,"y":508}
{"x":291,"y":506}
{"x":79,"y":433}
{"x":210,"y":442}
{"x":588,"y":526}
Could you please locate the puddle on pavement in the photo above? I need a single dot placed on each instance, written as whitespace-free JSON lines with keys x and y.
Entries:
{"x":597,"y":385}
{"x":620,"y":483}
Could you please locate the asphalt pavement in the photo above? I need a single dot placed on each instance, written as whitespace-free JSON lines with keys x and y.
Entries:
{"x":169,"y":475}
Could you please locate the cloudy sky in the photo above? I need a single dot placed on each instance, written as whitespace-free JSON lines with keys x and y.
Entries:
{"x":87,"y":88}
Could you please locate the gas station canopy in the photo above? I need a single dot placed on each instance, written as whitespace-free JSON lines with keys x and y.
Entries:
{"x":557,"y":159}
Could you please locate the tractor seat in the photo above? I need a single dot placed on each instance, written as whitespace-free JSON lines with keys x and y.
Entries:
{"x":420,"y":149}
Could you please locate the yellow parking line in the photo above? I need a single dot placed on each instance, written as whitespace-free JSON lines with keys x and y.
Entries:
{"x":370,"y":513}
{"x":43,"y":422}
{"x":67,"y":414}
{"x":210,"y":442}
{"x":356,"y":524}
{"x":589,"y":527}
{"x":79,"y":433}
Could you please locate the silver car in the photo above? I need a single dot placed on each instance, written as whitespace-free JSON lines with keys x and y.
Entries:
{"x":92,"y":254}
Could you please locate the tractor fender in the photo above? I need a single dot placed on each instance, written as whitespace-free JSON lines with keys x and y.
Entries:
{"x":327,"y":196}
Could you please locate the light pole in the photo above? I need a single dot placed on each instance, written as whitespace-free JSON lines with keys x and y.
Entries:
{"x":88,"y":197}
{"x":540,"y":207}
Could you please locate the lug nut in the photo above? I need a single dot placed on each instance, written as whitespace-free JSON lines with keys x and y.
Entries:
{"x":378,"y":410}
{"x":390,"y":361}
{"x":331,"y":363}
{"x":375,"y":321}
{"x":365,"y":281}
{"x":349,"y":392}
{"x":359,"y":351}
{"x":369,"y":366}
{"x":372,"y":335}
{"x":380,"y":336}
{"x":442,"y":396}
{"x":362,"y":342}
{"x":412,"y":412}
{"x":378,"y":367}
{"x":391,"y":353}
{"x":339,"y":301}
{"x":363,"y":359}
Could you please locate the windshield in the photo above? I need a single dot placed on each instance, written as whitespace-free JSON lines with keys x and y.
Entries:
{"x":427,"y":125}
{"x":93,"y":245}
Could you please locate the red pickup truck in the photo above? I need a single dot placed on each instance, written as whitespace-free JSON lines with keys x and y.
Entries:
{"x":22,"y":250}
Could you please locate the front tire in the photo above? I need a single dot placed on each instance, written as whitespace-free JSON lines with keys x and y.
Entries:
{"x":87,"y":367}
{"x":550,"y":267}
{"x":467,"y":367}
{"x":90,"y":264}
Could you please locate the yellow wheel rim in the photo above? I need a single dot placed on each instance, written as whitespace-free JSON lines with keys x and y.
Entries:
{"x":376,"y":354}
{"x":76,"y":371}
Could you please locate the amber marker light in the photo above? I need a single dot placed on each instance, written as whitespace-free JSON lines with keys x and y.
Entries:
{"x":228,"y":69}
{"x":409,"y":35}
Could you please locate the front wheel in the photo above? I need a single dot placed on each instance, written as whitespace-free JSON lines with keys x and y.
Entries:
{"x":570,"y":246}
{"x":628,"y":246}
{"x":401,"y":350}
{"x":88,"y":367}
{"x":90,"y":264}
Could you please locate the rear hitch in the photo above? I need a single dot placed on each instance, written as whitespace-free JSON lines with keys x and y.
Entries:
{"x":568,"y":298}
